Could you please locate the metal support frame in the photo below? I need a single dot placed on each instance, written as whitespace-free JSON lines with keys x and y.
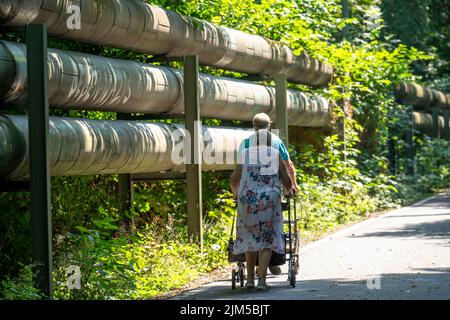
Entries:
{"x":345,"y":15}
{"x":435,"y":114}
{"x":193,"y":175}
{"x":341,"y":127}
{"x":409,"y":139}
{"x":281,"y":121}
{"x":39,"y":184}
{"x":125,"y":192}
{"x":154,"y":176}
{"x":38,"y":109}
{"x":125,"y":186}
{"x":193,"y":167}
{"x":392,"y":155}
{"x":446,"y":135}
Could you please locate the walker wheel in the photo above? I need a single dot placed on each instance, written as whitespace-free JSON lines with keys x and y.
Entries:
{"x":233,"y":279}
{"x":241,"y":277}
{"x":292,"y":280}
{"x":292,"y":272}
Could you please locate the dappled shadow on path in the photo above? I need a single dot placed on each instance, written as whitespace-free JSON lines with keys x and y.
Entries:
{"x":438,"y":228}
{"x":426,"y":283}
{"x":441,"y":201}
{"x":431,"y":230}
{"x":417,"y":215}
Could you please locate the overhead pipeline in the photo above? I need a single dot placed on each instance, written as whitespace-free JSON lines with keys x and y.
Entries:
{"x":86,"y":147}
{"x":421,"y":97}
{"x":83,"y":81}
{"x":423,"y":122}
{"x":139,"y":26}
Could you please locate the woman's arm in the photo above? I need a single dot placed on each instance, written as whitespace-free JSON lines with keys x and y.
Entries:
{"x":235,"y":178}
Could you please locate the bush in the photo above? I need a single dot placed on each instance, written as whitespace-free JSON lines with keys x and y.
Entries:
{"x":21,"y":287}
{"x":433,"y":165}
{"x":153,"y":261}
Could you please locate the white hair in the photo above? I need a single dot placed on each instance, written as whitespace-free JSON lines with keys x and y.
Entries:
{"x":261,"y":121}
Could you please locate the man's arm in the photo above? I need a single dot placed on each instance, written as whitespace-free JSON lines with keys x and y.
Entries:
{"x":286,"y":180}
{"x":286,"y":161}
{"x":292,"y":173}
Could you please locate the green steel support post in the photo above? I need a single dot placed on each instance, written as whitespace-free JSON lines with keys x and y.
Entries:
{"x":345,"y":15}
{"x":392,"y":152}
{"x":342,"y":130}
{"x":125,"y":185}
{"x":435,"y":113}
{"x":409,"y":139}
{"x":193,"y":168}
{"x":125,"y":191}
{"x":447,"y":124}
{"x":41,"y":220}
{"x":281,"y":121}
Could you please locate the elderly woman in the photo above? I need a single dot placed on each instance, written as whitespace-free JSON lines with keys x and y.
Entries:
{"x":256,"y":181}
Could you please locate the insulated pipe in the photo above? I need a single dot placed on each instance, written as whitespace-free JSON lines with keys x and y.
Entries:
{"x":421,"y":97}
{"x":84,"y":81}
{"x":139,"y":26}
{"x":423,"y":122}
{"x":86,"y":147}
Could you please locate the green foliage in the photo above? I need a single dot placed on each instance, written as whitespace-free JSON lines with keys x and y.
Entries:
{"x":433,"y":165}
{"x":340,"y":182}
{"x":15,"y":245}
{"x":84,"y":201}
{"x":19,"y":288}
{"x":324,"y":205}
{"x":141,"y":266}
{"x":424,"y":24}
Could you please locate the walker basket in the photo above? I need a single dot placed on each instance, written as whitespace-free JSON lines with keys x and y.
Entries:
{"x":277,"y":259}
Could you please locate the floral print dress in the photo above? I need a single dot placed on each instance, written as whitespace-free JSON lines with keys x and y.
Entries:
{"x":259,"y":220}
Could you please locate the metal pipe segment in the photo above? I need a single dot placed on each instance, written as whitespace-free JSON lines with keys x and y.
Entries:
{"x":83,"y":81}
{"x":423,"y":122}
{"x":139,"y":26}
{"x":86,"y":147}
{"x":421,"y":97}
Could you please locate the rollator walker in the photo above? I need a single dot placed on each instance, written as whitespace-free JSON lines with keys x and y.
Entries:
{"x":291,"y":234}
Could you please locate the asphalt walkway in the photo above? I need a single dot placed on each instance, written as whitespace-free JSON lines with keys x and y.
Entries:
{"x":403,"y":254}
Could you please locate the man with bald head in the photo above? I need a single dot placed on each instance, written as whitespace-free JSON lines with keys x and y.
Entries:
{"x":262,"y":121}
{"x":263,"y":166}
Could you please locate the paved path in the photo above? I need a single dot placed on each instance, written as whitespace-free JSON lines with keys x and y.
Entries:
{"x":405,"y":253}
